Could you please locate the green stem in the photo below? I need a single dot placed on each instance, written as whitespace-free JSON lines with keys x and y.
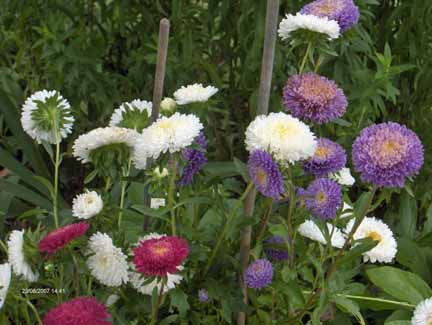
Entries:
{"x":226,"y":227}
{"x":56,"y":176}
{"x":124,"y":184}
{"x":171,"y":190}
{"x":32,"y":307}
{"x":264,"y":221}
{"x":364,"y":298}
{"x":89,"y":286}
{"x":306,"y":55}
{"x":155,"y":309}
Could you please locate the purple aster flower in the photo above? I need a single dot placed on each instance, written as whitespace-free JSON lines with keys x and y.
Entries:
{"x":345,"y":12}
{"x":203,"y":295}
{"x":323,"y":198}
{"x":265,"y":174}
{"x":259,"y":274}
{"x":387,"y":153}
{"x":329,"y":157}
{"x":201,"y":140}
{"x":276,"y":253}
{"x":195,"y":159}
{"x":312,"y":97}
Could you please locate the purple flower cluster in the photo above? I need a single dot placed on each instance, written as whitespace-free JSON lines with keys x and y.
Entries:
{"x":315,"y":98}
{"x":386,"y":154}
{"x":345,"y":12}
{"x":195,"y":159}
{"x":259,"y":274}
{"x":265,"y":174}
{"x":323,"y":198}
{"x":275,"y":253}
{"x":203,"y":296}
{"x":329,"y":157}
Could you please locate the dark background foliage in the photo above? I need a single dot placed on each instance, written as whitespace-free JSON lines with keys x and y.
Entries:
{"x":101,"y":53}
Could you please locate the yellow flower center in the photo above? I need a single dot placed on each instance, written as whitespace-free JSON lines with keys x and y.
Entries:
{"x":284,"y":129}
{"x":89,"y":200}
{"x":159,"y":249}
{"x":262,"y":177}
{"x":390,"y":147}
{"x":375,"y":236}
{"x":320,"y":197}
{"x":166,"y":125}
{"x":322,"y":152}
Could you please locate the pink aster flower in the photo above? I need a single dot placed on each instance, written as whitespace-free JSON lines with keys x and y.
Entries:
{"x":59,"y":238}
{"x":160,"y":256}
{"x":78,"y":311}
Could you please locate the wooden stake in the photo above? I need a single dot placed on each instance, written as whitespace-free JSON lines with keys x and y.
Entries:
{"x":164,"y":27}
{"x":162,"y":53}
{"x":272,"y":16}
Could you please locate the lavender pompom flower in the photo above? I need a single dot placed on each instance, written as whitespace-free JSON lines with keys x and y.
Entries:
{"x":323,"y":198}
{"x":195,"y":159}
{"x":315,"y":98}
{"x":386,"y":154}
{"x":275,"y":253}
{"x":259,"y":274}
{"x":329,"y":157}
{"x":203,"y":296}
{"x":345,"y":12}
{"x":265,"y":174}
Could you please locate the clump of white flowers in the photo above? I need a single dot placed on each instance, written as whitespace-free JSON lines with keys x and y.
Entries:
{"x":107,"y":263}
{"x":98,"y":138}
{"x":46,"y":116}
{"x":343,"y":177}
{"x":17,"y":258}
{"x":312,"y":23}
{"x":310,"y":230}
{"x":87,"y":205}
{"x":386,"y":249}
{"x":284,"y":136}
{"x":167,"y":134}
{"x":193,"y":94}
{"x":132,"y":115}
{"x":5,"y":278}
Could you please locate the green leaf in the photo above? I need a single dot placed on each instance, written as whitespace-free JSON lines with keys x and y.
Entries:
{"x":179,"y":301}
{"x":350,"y":307}
{"x":407,"y":216}
{"x":25,"y":194}
{"x":402,"y":285}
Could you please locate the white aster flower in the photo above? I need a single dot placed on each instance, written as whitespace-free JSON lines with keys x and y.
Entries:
{"x":16,"y":256}
{"x":87,"y":205}
{"x":347,"y":211}
{"x":108,"y":263}
{"x":284,"y":136}
{"x":194,"y":93}
{"x":343,"y":177}
{"x":134,"y":115}
{"x":111,"y":300}
{"x":386,"y":249}
{"x":5,"y":278}
{"x":423,"y":313}
{"x":168,"y":105}
{"x":37,"y":116}
{"x":138,"y":282}
{"x":310,"y":230}
{"x":167,"y":134}
{"x":313,"y":23}
{"x":101,"y":137}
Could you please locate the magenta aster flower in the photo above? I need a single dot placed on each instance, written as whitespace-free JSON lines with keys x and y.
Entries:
{"x":259,"y":274}
{"x":275,"y":253}
{"x":78,"y":311}
{"x":386,"y":154}
{"x":160,"y":256}
{"x":60,"y":237}
{"x":329,"y":157}
{"x":265,"y":174}
{"x":323,"y":198}
{"x":315,"y":98}
{"x":345,"y":12}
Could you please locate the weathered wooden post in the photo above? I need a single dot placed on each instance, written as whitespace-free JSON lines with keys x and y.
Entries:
{"x":162,"y":53}
{"x":272,"y":16}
